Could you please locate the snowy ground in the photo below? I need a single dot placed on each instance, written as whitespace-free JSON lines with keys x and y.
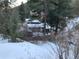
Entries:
{"x":26,"y":50}
{"x":2,"y":40}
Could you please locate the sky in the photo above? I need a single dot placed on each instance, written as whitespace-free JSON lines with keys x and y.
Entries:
{"x":18,"y":2}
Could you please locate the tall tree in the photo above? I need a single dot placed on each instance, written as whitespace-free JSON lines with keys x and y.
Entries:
{"x":55,"y":10}
{"x":76,"y":7}
{"x":22,"y":12}
{"x":5,"y":16}
{"x":8,"y":23}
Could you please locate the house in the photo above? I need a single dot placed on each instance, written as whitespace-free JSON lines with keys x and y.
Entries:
{"x":37,"y":27}
{"x":34,"y":30}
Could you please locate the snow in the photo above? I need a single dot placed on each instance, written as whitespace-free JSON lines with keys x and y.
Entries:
{"x":27,"y":50}
{"x":71,"y":35}
{"x":48,"y":27}
{"x":34,"y":25}
{"x":2,"y":40}
{"x":36,"y":21}
{"x":72,"y":23}
{"x":26,"y":20}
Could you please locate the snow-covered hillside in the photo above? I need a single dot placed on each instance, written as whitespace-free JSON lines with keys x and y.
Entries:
{"x":27,"y":50}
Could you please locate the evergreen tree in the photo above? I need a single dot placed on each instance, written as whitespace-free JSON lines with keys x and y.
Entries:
{"x":55,"y":11}
{"x":8,"y":22}
{"x":57,"y":16}
{"x":5,"y":16}
{"x":22,"y":12}
{"x":76,"y":7}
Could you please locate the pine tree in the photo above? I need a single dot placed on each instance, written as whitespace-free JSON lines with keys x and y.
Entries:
{"x":5,"y":16}
{"x":8,"y":21}
{"x":76,"y":7}
{"x":55,"y":10}
{"x":22,"y":12}
{"x":57,"y":16}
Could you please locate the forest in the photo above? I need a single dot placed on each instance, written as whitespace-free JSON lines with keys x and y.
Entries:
{"x":37,"y":24}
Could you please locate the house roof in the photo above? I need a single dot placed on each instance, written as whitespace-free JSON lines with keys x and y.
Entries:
{"x":36,"y":24}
